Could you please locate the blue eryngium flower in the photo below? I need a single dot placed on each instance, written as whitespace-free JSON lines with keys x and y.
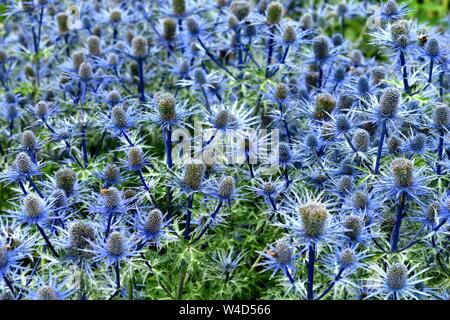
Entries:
{"x":279,"y":257}
{"x":117,"y":247}
{"x":398,"y":281}
{"x":227,"y":262}
{"x":152,"y":227}
{"x":21,"y":169}
{"x":403,"y":178}
{"x":13,"y":248}
{"x":51,"y":290}
{"x":392,"y":11}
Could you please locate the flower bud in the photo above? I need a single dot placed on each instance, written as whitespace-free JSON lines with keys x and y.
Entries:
{"x":325,"y":104}
{"x":23,"y":163}
{"x":314,"y":217}
{"x":226,"y":188}
{"x":240,"y":9}
{"x":136,"y":158}
{"x":274,"y":13}
{"x":94,"y":46}
{"x":66,"y":180}
{"x":169,"y":29}
{"x":116,"y":244}
{"x":179,"y":7}
{"x":361,"y":140}
{"x":320,"y":48}
{"x":85,"y":72}
{"x":193,"y":175}
{"x":62,"y":21}
{"x":403,"y":172}
{"x":154,"y":221}
{"x":33,"y":206}
{"x":389,"y":102}
{"x":396,"y":276}
{"x":140,"y":47}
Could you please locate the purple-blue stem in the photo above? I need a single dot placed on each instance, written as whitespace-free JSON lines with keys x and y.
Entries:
{"x":140,"y":64}
{"x":139,"y":172}
{"x":404,"y":71}
{"x":430,"y":74}
{"x":398,"y":221}
{"x":440,"y":152}
{"x":380,"y":146}
{"x":9,"y":284}
{"x":47,"y":241}
{"x":288,"y":274}
{"x":310,"y":284}
{"x":270,"y":49}
{"x":413,"y":240}
{"x":35,"y":187}
{"x":167,"y":137}
{"x":332,"y":284}
{"x":211,"y":220}
{"x":214,"y":59}
{"x":117,"y":269}
{"x":188,"y":216}
{"x":108,"y":225}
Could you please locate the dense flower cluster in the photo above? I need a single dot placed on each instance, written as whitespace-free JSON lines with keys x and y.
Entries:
{"x":343,"y":193}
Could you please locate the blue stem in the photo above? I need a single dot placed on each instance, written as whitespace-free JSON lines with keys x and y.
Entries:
{"x":140,"y":63}
{"x":288,"y":274}
{"x":430,"y":74}
{"x":310,"y":285}
{"x":380,"y":147}
{"x":398,"y":221}
{"x":47,"y":241}
{"x":35,"y":187}
{"x":214,"y":59}
{"x":404,"y":71}
{"x":440,"y":152}
{"x":270,"y":53}
{"x":211,"y":220}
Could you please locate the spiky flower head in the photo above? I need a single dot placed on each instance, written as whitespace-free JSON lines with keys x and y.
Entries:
{"x":396,"y":276}
{"x":345,"y":184}
{"x":113,"y":97}
{"x":389,"y":103}
{"x":441,"y":116}
{"x":240,"y":9}
{"x":353,"y":226}
{"x":403,"y":172}
{"x":306,"y":22}
{"x":169,"y":29}
{"x":281,"y":92}
{"x":394,"y":144}
{"x":116,"y":246}
{"x":115,"y":16}
{"x":289,"y":34}
{"x":400,"y":33}
{"x":193,"y":175}
{"x":135,"y":158}
{"x":339,"y":74}
{"x":29,"y":141}
{"x":320,"y":48}
{"x":85,"y":72}
{"x":42,"y":109}
{"x":342,"y":123}
{"x":432,"y":48}
{"x":94,"y":46}
{"x":274,"y":13}
{"x":337,"y":39}
{"x":166,"y":106}
{"x":119,"y":117}
{"x":140,"y":47}
{"x":58,"y":199}
{"x":34,"y":207}
{"x":179,"y":7}
{"x":377,"y":74}
{"x":111,"y":174}
{"x":66,"y":180}
{"x":361,"y":140}
{"x":23,"y":163}
{"x":282,"y":253}
{"x":325,"y":104}
{"x":192,"y":26}
{"x":77,"y":59}
{"x":314,"y":218}
{"x":154,"y":221}
{"x":62,"y":21}
{"x":226,"y":188}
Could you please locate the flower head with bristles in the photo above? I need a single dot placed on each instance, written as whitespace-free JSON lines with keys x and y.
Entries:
{"x":152,"y":227}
